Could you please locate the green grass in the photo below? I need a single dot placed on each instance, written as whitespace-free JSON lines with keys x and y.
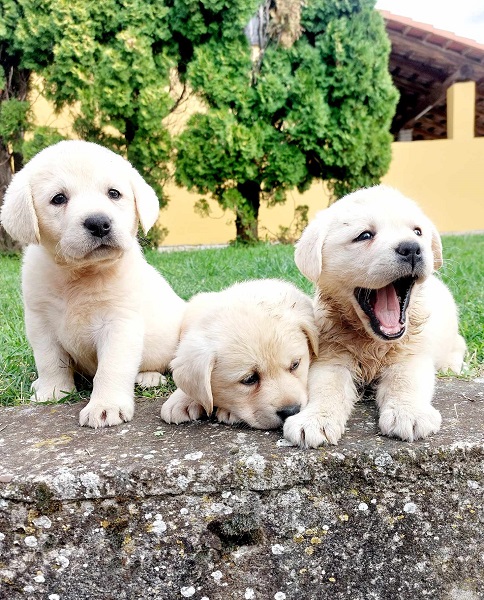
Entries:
{"x":190,"y":272}
{"x":463,"y":272}
{"x":194,"y":271}
{"x":17,"y":367}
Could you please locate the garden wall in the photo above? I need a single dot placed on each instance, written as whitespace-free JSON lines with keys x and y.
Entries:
{"x":205,"y":511}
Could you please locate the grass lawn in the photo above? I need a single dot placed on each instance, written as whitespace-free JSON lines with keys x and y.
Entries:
{"x":211,"y":270}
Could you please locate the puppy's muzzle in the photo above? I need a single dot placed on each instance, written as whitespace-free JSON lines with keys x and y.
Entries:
{"x":288,"y":411}
{"x":98,"y":225}
{"x":409,"y":252}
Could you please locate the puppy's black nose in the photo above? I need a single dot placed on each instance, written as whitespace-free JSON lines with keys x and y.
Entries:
{"x":288,"y":411}
{"x":410,"y":252}
{"x":99,"y":225}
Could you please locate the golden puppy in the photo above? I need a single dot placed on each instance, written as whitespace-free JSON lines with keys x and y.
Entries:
{"x":382,"y":316}
{"x":92,"y":303}
{"x":244,"y":350}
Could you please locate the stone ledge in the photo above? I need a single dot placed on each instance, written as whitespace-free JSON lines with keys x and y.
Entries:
{"x":152,"y":511}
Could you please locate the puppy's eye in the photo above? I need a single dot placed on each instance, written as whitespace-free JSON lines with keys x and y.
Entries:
{"x":294,"y":364}
{"x":114,"y":194}
{"x":251,"y":379}
{"x":59,"y":199}
{"x":364,"y":236}
{"x":417,"y":231}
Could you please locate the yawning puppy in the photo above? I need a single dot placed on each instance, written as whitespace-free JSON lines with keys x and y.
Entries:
{"x":244,"y":350}
{"x":92,"y":303}
{"x":382,"y":316}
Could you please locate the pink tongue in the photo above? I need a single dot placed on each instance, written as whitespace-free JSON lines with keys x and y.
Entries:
{"x":387,"y":310}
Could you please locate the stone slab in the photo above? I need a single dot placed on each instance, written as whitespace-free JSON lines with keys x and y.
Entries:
{"x":205,"y":511}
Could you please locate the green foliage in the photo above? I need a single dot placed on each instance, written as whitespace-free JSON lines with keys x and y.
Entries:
{"x":42,"y":137}
{"x":15,"y":113}
{"x":154,"y":238}
{"x":114,"y":60}
{"x":321,"y":108}
{"x":14,"y":120}
{"x":196,"y":21}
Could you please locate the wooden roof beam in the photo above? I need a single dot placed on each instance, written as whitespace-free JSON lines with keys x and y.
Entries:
{"x":433,"y":52}
{"x":437,"y":94}
{"x":408,"y":64}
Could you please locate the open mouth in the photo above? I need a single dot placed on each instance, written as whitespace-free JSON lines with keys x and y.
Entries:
{"x":386,"y":308}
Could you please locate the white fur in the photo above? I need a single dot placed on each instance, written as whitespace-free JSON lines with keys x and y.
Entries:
{"x":90,"y":305}
{"x":350,"y":352}
{"x":259,"y":326}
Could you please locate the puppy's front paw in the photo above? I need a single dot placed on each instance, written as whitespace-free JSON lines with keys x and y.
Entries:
{"x":310,"y":430}
{"x":180,"y":408}
{"x":225,"y":416}
{"x":105,"y":414}
{"x":46,"y":392}
{"x":409,"y":423}
{"x":148,"y":379}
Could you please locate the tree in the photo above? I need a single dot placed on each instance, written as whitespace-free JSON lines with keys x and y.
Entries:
{"x":316,"y":102}
{"x":16,"y":118}
{"x":113,"y":60}
{"x":14,"y":107}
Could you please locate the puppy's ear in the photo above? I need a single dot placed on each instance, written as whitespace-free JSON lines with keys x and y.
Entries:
{"x":302,"y":310}
{"x":436,"y":247}
{"x":18,"y":215}
{"x":308,"y":254}
{"x":311,"y":332}
{"x":192,"y":370}
{"x":147,"y":205}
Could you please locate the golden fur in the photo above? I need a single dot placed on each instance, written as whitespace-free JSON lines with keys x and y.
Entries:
{"x":258,"y":332}
{"x":92,"y":303}
{"x":335,"y":254}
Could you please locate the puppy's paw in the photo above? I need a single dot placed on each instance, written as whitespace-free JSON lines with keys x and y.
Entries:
{"x":310,"y":430}
{"x":180,"y":408}
{"x":225,"y":416}
{"x":148,"y":379}
{"x":105,"y":414}
{"x":409,"y":423}
{"x":454,"y":363}
{"x":46,"y":392}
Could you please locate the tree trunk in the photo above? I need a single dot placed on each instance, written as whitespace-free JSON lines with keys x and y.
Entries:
{"x":7,"y":244}
{"x":247,"y":215}
{"x":17,"y":86}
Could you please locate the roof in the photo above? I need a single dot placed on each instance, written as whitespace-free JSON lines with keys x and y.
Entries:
{"x":424,"y":63}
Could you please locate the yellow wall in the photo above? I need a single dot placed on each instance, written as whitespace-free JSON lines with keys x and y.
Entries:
{"x":446,"y":177}
{"x":45,"y":114}
{"x":187,"y":228}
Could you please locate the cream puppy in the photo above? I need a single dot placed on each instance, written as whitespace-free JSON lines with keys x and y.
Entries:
{"x":92,"y":303}
{"x":246,"y":351}
{"x":383,"y":317}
